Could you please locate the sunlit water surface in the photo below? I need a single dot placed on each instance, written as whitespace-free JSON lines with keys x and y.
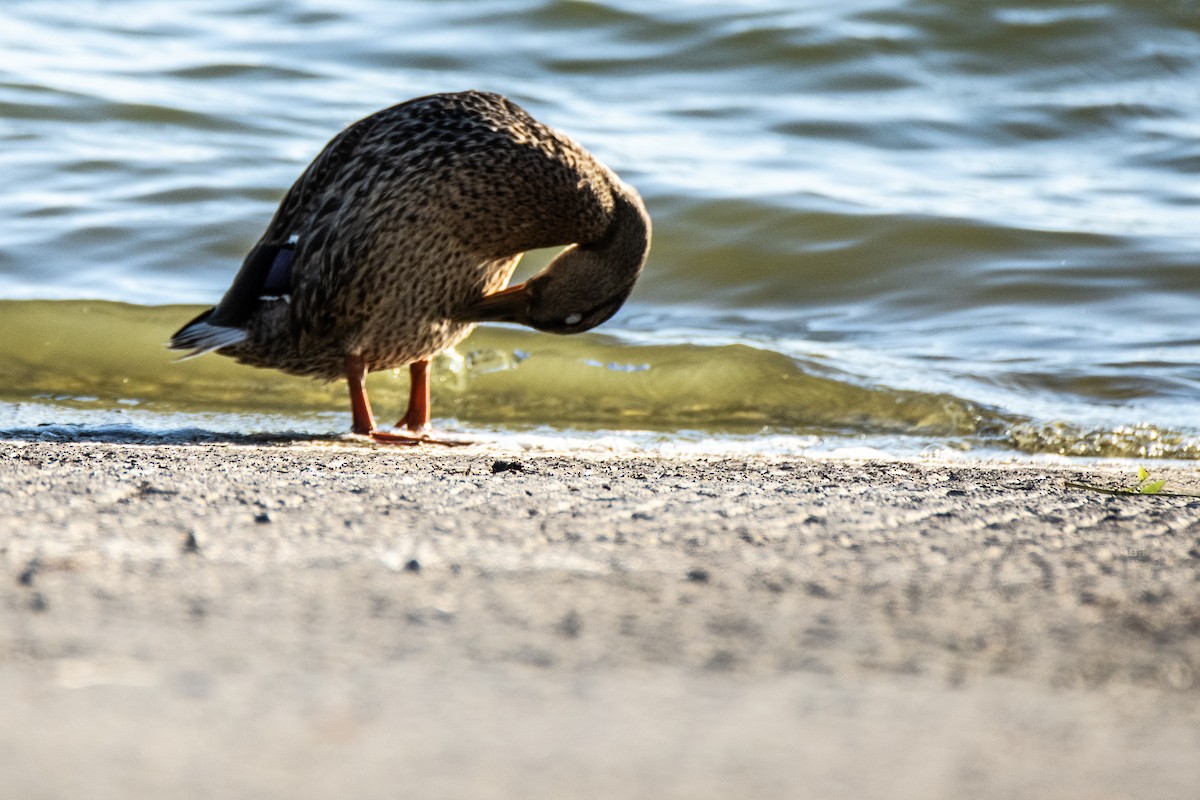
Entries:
{"x":896,"y":225}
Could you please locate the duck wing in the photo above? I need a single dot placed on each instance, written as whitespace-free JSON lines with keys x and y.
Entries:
{"x":268,"y":268}
{"x":268,"y":271}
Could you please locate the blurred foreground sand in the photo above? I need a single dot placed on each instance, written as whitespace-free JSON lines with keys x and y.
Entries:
{"x":299,"y":619}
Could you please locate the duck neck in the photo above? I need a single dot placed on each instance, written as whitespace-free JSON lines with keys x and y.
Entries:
{"x":617,"y":257}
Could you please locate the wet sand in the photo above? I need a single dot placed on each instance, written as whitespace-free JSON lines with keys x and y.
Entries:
{"x":330,"y":619}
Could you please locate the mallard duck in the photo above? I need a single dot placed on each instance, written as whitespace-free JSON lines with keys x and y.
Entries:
{"x":402,"y":235}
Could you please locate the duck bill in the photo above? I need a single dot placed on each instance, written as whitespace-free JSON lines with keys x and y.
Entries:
{"x":508,"y":305}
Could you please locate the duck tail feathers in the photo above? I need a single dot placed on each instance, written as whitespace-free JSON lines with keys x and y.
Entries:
{"x":200,"y":336}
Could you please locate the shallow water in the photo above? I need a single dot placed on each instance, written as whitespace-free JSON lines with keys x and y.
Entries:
{"x":900,"y":224}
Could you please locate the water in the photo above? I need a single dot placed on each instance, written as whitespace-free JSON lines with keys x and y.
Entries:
{"x":889,"y":224}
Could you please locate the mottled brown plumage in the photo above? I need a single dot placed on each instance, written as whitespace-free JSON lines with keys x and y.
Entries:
{"x":399,"y":237}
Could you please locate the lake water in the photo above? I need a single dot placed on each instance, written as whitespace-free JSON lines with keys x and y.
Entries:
{"x":902,"y":225}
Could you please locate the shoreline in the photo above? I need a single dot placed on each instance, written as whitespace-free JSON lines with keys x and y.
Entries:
{"x":124,"y":427}
{"x":501,"y":622}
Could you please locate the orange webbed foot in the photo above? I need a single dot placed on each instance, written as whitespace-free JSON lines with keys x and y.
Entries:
{"x":422,"y":436}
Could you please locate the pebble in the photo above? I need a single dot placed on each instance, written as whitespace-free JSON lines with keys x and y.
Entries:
{"x":29,"y":573}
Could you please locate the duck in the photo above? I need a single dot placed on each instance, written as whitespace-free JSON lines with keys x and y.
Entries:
{"x":403,"y":235}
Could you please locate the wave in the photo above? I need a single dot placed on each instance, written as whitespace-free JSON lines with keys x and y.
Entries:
{"x":96,"y":356}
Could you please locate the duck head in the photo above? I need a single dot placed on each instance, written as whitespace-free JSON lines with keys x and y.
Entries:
{"x":583,"y":286}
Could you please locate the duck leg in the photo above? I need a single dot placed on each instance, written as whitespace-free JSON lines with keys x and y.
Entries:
{"x":416,"y":419}
{"x":360,"y":406}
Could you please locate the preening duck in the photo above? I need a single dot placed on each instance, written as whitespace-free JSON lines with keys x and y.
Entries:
{"x":402,"y":235}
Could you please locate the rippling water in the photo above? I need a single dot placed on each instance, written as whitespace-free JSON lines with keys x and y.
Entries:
{"x":958,"y":223}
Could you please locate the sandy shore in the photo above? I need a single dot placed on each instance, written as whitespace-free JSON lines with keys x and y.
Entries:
{"x":298,"y":619}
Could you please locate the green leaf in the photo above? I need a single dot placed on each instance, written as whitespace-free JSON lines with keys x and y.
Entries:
{"x":1150,"y":488}
{"x":1142,"y":474}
